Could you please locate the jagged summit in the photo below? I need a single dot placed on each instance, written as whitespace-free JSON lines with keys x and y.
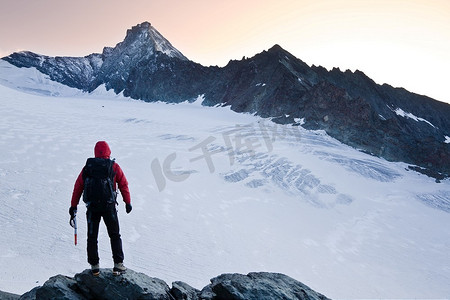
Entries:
{"x":276,"y":48}
{"x":143,"y":48}
{"x":144,"y":37}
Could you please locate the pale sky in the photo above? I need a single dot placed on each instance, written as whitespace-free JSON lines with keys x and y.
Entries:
{"x":402,"y":43}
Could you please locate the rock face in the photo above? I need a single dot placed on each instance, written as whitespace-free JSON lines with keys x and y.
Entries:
{"x":381,"y":120}
{"x":8,"y":296}
{"x":76,"y":72}
{"x":255,"y":286}
{"x":133,"y":285}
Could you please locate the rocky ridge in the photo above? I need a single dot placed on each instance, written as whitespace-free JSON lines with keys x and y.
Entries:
{"x":378,"y":119}
{"x":134,"y":285}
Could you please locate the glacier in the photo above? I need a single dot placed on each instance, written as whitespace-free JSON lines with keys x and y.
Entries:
{"x":241,"y":194}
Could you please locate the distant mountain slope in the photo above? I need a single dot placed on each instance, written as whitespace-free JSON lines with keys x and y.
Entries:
{"x":388,"y":122}
{"x":75,"y":72}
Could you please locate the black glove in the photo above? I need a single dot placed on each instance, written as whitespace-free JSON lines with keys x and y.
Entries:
{"x":72,"y":212}
{"x":128,"y":208}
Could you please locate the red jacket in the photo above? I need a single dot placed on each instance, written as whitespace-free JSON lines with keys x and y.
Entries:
{"x":102,"y":150}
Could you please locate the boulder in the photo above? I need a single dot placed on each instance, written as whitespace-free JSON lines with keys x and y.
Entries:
{"x":256,"y":286}
{"x":8,"y":296}
{"x":183,"y":291}
{"x":131,"y":285}
{"x":58,"y":287}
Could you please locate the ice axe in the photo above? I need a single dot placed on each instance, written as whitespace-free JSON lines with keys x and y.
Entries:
{"x":73,"y":223}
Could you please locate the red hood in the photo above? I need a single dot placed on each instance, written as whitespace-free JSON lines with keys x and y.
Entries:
{"x":102,"y":150}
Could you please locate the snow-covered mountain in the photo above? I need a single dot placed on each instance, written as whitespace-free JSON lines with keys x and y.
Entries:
{"x":349,"y":106}
{"x":213,"y":191}
{"x":113,"y":66}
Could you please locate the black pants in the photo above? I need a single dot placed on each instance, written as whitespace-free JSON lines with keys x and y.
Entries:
{"x":112,"y":225}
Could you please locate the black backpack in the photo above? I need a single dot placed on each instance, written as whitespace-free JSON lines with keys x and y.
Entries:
{"x":98,"y":176}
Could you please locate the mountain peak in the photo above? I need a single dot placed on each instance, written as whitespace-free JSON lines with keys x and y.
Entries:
{"x":281,"y":52}
{"x":144,"y":35}
{"x":139,"y":29}
{"x":278,"y":49}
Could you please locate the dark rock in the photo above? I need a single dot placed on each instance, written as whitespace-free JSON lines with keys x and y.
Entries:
{"x":131,"y":285}
{"x":255,"y":286}
{"x":76,"y":72}
{"x":56,"y":288}
{"x":8,"y":296}
{"x":411,"y":127}
{"x":207,"y":293}
{"x":428,"y":172}
{"x":183,"y":291}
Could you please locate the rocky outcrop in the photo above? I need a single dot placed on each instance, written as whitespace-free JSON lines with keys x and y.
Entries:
{"x":381,"y":120}
{"x":8,"y":296}
{"x":75,"y":72}
{"x":134,"y":285}
{"x":255,"y":286}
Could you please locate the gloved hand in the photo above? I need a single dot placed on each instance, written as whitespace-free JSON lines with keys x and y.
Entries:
{"x":128,"y":208}
{"x":72,"y":212}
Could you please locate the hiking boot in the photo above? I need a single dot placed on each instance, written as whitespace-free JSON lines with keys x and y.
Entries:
{"x":95,"y":269}
{"x":119,"y":268}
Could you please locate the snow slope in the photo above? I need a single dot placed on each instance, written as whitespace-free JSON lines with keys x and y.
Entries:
{"x":214,"y":191}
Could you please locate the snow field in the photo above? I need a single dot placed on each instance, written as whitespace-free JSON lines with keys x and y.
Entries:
{"x":347,"y":224}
